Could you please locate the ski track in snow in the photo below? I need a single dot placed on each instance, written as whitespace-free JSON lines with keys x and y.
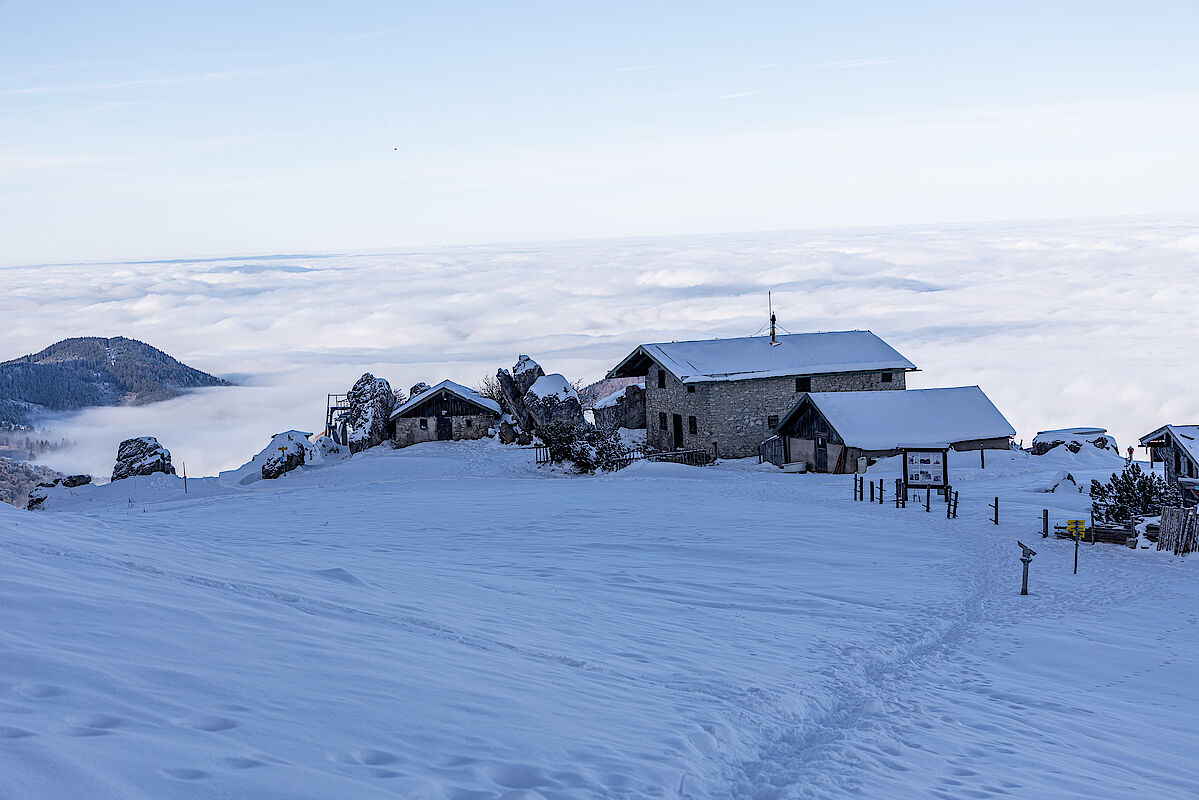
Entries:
{"x":450,"y":622}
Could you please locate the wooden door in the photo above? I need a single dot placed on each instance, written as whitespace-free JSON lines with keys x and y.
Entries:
{"x":678,"y":432}
{"x":821,"y":464}
{"x":445,"y":428}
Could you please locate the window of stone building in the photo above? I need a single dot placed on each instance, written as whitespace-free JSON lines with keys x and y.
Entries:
{"x":886,"y":377}
{"x":662,"y":420}
{"x":803,"y":384}
{"x":468,"y":422}
{"x":424,"y":424}
{"x":692,"y":426}
{"x":1177,"y":463}
{"x":772,"y":421}
{"x":661,"y":379}
{"x":690,"y":390}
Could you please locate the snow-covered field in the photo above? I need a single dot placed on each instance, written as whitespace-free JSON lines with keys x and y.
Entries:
{"x":1063,"y":323}
{"x":448,"y":621}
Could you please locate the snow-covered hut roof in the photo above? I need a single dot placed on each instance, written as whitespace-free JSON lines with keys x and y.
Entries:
{"x":753,"y":357}
{"x":457,"y":389}
{"x":887,"y":420}
{"x":1187,"y":437}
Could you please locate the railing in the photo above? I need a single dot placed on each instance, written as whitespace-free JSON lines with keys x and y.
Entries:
{"x":692,"y":458}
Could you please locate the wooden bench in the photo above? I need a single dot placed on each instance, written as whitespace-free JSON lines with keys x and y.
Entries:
{"x":1108,"y":534}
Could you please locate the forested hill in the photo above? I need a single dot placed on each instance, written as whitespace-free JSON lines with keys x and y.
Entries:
{"x":92,"y":371}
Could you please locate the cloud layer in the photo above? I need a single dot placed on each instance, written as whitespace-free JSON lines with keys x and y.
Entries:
{"x":1063,"y":323}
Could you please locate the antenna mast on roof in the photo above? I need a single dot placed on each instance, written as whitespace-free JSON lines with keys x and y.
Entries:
{"x":774,"y":341}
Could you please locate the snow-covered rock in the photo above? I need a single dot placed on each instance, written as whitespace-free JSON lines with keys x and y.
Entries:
{"x":371,"y":401}
{"x":1062,"y":481}
{"x":622,"y":409}
{"x":1074,"y":440}
{"x":526,"y":373}
{"x":420,"y":387}
{"x":142,"y":455}
{"x":287,"y":451}
{"x":41,"y":492}
{"x":551,"y":399}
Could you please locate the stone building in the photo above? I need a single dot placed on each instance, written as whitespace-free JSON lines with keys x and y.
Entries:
{"x":726,"y":396}
{"x":1177,"y":447}
{"x":830,"y":431}
{"x":445,"y":412}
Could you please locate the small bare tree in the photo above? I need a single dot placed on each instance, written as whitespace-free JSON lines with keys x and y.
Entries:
{"x":489,"y":387}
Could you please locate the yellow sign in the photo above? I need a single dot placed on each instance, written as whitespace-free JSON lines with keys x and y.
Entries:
{"x":1078,"y":527}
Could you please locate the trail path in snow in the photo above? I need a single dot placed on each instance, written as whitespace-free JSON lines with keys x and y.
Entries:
{"x":449,"y":621}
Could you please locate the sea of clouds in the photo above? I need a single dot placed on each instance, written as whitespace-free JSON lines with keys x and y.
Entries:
{"x":1062,"y":323}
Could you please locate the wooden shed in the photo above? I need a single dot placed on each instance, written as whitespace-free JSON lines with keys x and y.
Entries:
{"x":1177,"y":447}
{"x":446,"y":412}
{"x":830,"y":431}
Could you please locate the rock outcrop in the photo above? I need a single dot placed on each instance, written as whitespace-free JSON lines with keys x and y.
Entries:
{"x":552,"y":399}
{"x":40,"y":493}
{"x":622,"y":409}
{"x":534,"y":399}
{"x":141,"y":456}
{"x":371,"y":401}
{"x":1074,"y":440}
{"x":286,"y":452}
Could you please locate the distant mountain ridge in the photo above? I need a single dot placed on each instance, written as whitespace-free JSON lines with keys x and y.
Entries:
{"x":93,"y":371}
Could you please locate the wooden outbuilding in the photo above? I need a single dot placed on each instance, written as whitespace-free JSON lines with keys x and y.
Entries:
{"x":1177,"y":447}
{"x":446,"y":412}
{"x":830,"y":431}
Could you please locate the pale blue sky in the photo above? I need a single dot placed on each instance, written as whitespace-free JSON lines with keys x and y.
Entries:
{"x":170,"y":129}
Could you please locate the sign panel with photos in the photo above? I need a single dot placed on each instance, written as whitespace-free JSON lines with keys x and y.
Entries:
{"x":926,"y":468}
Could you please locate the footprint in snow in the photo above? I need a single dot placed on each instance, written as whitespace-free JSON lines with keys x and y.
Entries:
{"x":13,"y":733}
{"x":94,"y":725}
{"x":38,"y":690}
{"x":183,"y":774}
{"x":340,"y":575}
{"x":207,"y":722}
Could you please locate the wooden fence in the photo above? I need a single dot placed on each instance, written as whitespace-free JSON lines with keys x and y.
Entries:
{"x":1179,"y":531}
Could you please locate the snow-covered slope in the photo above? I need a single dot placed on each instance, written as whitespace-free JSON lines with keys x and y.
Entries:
{"x":447,"y":621}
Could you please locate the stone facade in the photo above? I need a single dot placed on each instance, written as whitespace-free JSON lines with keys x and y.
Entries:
{"x":732,"y":417}
{"x":408,"y":430}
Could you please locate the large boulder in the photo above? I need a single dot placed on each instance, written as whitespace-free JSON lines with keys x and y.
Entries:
{"x":41,"y":491}
{"x":551,"y":399}
{"x":141,"y":456}
{"x":525,"y":373}
{"x":371,"y":401}
{"x":1074,"y":440}
{"x":419,"y":388}
{"x":512,"y":399}
{"x":622,"y":409}
{"x":286,"y":452}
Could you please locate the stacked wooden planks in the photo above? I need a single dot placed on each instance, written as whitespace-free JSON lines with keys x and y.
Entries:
{"x":1179,"y":531}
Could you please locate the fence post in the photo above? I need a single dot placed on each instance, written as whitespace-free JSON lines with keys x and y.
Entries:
{"x":881,"y":490}
{"x":871,"y":490}
{"x":996,"y":507}
{"x":1044,"y":523}
{"x":928,"y":498}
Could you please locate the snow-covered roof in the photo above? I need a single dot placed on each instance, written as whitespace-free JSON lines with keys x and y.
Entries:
{"x":554,"y":385}
{"x":753,"y":357}
{"x":614,"y":398}
{"x":887,"y":420}
{"x":1187,"y":437}
{"x":458,"y":389}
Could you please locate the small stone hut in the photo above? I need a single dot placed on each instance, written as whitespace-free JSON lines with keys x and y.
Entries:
{"x":830,"y":431}
{"x":446,"y":412}
{"x":725,"y":396}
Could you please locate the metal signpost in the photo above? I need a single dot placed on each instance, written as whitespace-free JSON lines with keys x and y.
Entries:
{"x":1026,"y":558}
{"x":1078,"y":527}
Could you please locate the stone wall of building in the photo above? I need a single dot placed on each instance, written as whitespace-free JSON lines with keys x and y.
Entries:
{"x":408,"y":430}
{"x":733,"y":417}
